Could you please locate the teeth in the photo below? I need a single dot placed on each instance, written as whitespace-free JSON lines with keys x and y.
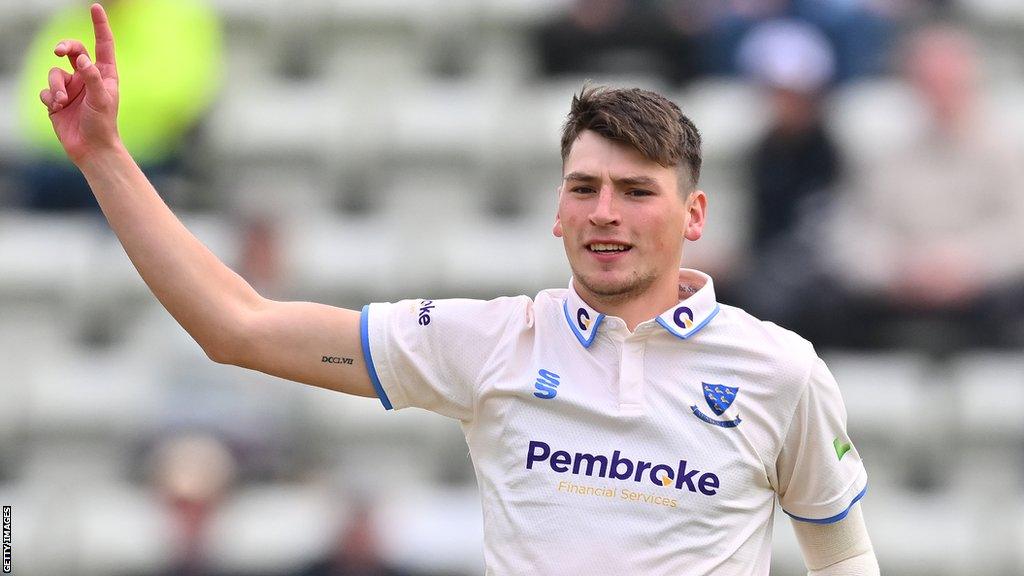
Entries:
{"x":607,"y":247}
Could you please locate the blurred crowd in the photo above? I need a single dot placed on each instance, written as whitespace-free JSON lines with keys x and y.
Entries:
{"x":914,"y":246}
{"x":192,"y":473}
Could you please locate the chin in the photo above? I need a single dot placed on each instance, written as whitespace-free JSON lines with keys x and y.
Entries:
{"x":612,"y":284}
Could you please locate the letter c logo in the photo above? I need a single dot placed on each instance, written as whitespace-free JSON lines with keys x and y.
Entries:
{"x":683,"y":322}
{"x":583,"y":318}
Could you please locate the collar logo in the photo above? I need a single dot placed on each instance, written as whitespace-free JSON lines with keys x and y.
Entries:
{"x":684,"y":323}
{"x":719,"y":398}
{"x":583,"y":319}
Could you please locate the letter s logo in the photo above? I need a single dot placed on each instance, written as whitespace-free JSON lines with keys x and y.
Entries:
{"x":546,"y":384}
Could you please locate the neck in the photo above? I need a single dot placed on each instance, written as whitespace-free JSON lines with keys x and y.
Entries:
{"x":635,"y":307}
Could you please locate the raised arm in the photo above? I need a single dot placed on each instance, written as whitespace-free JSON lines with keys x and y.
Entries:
{"x":220,"y":310}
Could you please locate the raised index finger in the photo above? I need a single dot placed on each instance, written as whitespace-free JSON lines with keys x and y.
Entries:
{"x":104,"y":39}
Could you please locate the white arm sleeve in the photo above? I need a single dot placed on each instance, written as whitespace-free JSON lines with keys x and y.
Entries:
{"x":839,"y":549}
{"x":817,"y":481}
{"x":431,"y":353}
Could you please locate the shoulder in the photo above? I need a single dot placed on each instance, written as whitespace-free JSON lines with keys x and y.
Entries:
{"x":550,"y":302}
{"x":762,"y":332}
{"x":463,"y":313}
{"x":764,"y":344}
{"x":775,"y":366}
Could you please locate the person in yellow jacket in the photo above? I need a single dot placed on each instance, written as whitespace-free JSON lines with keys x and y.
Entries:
{"x":170,"y":54}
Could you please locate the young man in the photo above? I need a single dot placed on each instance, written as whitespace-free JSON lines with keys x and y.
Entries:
{"x":626,"y":425}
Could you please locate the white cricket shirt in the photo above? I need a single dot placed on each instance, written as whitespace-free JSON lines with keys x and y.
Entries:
{"x":600,"y":451}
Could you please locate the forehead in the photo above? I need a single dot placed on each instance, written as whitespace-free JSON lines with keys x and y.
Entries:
{"x":598,"y":156}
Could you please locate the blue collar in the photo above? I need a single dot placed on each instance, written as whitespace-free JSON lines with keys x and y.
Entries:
{"x":696,"y":307}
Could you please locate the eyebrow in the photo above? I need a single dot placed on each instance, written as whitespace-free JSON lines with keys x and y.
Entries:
{"x":628,"y":180}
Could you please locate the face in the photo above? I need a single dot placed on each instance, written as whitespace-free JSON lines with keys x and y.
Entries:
{"x":623,"y":219}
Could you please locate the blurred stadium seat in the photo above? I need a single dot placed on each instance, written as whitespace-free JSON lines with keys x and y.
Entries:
{"x":271,"y":529}
{"x":1005,"y":12}
{"x":861,"y":116}
{"x":437,"y":530}
{"x":730,"y":113}
{"x":989,"y":387}
{"x":121,"y":531}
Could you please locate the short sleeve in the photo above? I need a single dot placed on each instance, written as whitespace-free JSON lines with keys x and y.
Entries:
{"x":430,"y":353}
{"x":820,"y":472}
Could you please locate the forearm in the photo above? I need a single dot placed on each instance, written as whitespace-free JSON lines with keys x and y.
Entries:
{"x":840,"y":549}
{"x":198,"y":290}
{"x":863,"y":564}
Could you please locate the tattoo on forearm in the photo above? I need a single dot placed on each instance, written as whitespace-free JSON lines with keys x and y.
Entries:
{"x":337,"y":360}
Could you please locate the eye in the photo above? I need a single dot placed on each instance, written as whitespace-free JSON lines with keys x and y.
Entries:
{"x":639,"y":192}
{"x":583,"y":190}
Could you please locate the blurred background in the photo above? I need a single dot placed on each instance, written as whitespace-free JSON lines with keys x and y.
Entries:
{"x":863,"y":167}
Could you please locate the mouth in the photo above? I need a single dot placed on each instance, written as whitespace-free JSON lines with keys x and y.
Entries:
{"x":608,"y":248}
{"x":606,"y":251}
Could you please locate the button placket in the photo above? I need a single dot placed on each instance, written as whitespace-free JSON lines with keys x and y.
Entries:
{"x":631,"y":376}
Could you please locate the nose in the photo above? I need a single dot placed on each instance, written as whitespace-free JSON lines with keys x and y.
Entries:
{"x":605,"y":212}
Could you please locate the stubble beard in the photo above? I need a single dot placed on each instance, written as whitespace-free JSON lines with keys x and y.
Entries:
{"x":633,"y":287}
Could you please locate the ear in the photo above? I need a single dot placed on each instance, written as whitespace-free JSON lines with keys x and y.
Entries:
{"x":557,"y":229}
{"x":696,"y":212}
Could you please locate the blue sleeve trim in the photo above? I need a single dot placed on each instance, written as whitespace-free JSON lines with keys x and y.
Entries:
{"x":835,"y":518}
{"x":364,"y":337}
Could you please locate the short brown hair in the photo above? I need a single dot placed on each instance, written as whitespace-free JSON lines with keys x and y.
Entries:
{"x":645,"y":120}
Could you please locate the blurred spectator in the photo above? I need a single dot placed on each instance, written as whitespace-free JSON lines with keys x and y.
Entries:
{"x":619,"y":37}
{"x":860,"y":31}
{"x":796,"y":157}
{"x":174,"y":45}
{"x":793,"y":167}
{"x":192,"y":473}
{"x":355,"y":553}
{"x":729,"y":21}
{"x":929,"y":238}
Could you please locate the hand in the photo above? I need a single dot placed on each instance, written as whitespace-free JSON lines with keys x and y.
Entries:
{"x":83,"y":105}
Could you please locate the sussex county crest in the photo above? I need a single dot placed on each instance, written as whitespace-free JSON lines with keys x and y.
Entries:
{"x":719,"y":398}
